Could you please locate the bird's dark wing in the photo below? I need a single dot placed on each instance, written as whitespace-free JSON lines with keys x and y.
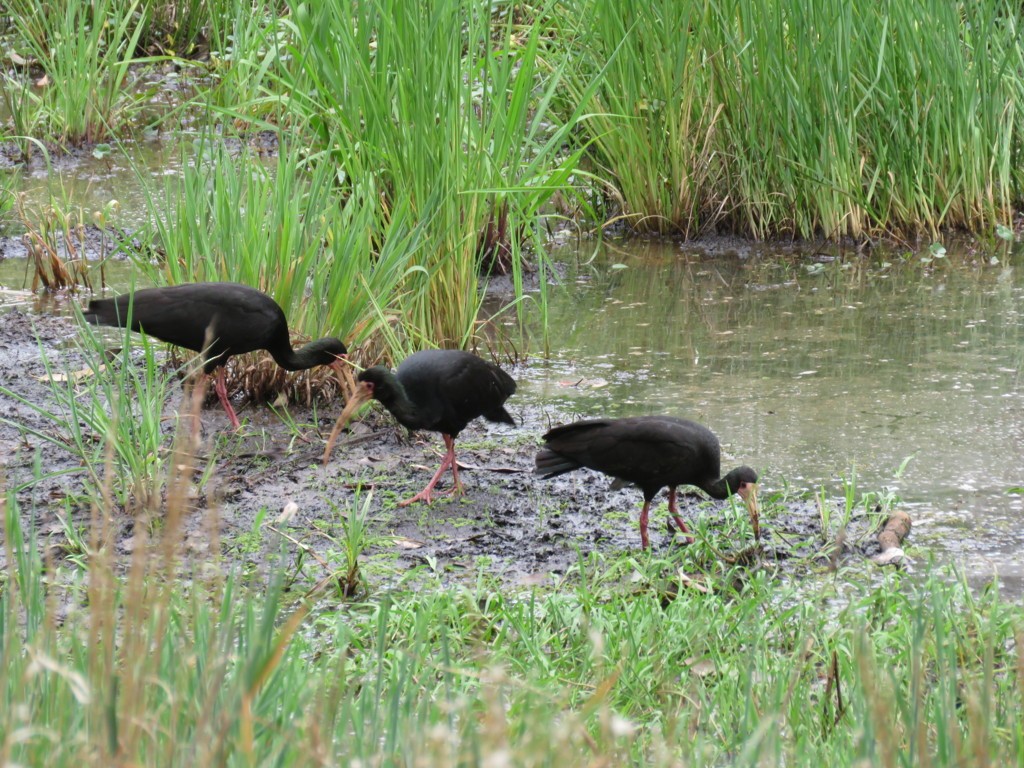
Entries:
{"x":475,"y":387}
{"x":451,"y":388}
{"x":649,"y":451}
{"x":239,"y":318}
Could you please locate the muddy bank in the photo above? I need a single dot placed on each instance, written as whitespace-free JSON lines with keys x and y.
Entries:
{"x":510,"y":525}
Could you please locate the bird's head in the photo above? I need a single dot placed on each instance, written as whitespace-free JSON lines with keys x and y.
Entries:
{"x":369,"y":384}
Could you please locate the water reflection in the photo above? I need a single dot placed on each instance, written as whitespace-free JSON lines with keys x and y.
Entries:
{"x":811,"y":376}
{"x":83,"y":183}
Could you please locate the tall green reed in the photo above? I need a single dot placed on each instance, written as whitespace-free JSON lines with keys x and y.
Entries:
{"x":85,"y":50}
{"x":651,"y":120}
{"x":832,"y":119}
{"x":284,"y":228}
{"x":247,"y":49}
{"x":432,"y":110}
{"x":20,"y":102}
{"x":7,"y":184}
{"x":177,"y":27}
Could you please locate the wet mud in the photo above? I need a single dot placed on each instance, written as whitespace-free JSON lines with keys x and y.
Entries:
{"x":270,"y":497}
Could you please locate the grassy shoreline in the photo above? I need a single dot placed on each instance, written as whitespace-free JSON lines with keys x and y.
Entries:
{"x":150,"y":658}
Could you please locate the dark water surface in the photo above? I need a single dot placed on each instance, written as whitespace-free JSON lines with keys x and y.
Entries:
{"x":813,"y":370}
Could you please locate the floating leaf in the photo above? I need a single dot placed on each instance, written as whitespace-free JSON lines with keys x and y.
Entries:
{"x":1004,"y":232}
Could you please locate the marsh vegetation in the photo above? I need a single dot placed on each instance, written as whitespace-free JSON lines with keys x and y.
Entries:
{"x":372,"y":164}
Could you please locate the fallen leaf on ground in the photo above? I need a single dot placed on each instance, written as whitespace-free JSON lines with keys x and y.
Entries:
{"x":403,"y":543}
{"x":75,"y":376}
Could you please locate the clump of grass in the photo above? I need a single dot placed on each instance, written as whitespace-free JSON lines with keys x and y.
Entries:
{"x":21,"y":104}
{"x":55,"y":239}
{"x":430,"y":111}
{"x":289,"y":232}
{"x":85,"y":49}
{"x":109,"y":404}
{"x":178,"y":27}
{"x":651,"y":120}
{"x":247,"y":53}
{"x":772,"y":118}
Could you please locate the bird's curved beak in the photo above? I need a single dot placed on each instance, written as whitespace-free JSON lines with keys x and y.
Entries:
{"x":343,"y":370}
{"x":361,"y":394}
{"x":748,"y":492}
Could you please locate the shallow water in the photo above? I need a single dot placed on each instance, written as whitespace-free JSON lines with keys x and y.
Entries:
{"x":83,"y":183}
{"x":813,"y":368}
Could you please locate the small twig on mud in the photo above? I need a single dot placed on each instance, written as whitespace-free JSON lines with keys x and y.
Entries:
{"x":305,"y":548}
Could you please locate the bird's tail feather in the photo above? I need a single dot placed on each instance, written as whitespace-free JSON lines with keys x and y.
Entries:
{"x":551,"y":464}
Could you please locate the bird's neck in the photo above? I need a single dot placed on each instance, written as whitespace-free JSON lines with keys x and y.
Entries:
{"x":717,"y":489}
{"x":393,"y":396}
{"x":300,"y":359}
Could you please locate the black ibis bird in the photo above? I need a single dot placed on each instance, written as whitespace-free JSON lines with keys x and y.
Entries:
{"x":217,"y":320}
{"x":441,"y":390}
{"x":650,"y":452}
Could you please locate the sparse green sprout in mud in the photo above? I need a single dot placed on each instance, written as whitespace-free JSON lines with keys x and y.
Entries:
{"x":116,"y":403}
{"x":355,"y":539}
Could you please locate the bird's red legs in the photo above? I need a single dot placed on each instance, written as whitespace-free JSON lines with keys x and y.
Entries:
{"x":457,"y":488}
{"x":645,"y":543}
{"x":221,"y":388}
{"x":447,"y":461}
{"x":673,"y":510}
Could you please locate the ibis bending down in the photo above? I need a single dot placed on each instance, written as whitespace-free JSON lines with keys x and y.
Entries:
{"x":219,"y":320}
{"x":651,"y":452}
